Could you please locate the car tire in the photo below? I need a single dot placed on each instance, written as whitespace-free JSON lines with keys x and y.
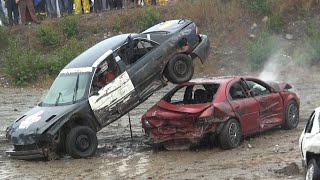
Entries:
{"x":230,"y":135}
{"x":81,"y":142}
{"x":179,"y":69}
{"x":313,"y":170}
{"x":291,"y":116}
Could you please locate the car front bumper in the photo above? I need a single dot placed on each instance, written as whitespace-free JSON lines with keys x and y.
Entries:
{"x":26,"y":155}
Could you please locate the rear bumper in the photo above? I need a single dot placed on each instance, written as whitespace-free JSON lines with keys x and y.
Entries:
{"x":26,"y":155}
{"x":203,"y":48}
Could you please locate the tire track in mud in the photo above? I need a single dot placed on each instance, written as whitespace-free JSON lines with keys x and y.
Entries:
{"x":118,"y":157}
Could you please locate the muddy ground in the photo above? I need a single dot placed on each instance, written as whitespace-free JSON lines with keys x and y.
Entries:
{"x":270,"y":155}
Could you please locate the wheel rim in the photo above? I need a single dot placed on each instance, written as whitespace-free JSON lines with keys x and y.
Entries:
{"x":234,"y":133}
{"x":180,"y":67}
{"x":310,"y":172}
{"x":83,"y":142}
{"x":293,"y":114}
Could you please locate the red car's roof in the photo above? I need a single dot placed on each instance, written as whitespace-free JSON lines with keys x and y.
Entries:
{"x":217,"y":80}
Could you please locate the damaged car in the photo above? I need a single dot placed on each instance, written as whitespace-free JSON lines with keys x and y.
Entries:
{"x":101,"y":85}
{"x":221,"y":110}
{"x":309,"y":144}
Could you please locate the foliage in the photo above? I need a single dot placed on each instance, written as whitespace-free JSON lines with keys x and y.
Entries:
{"x":150,"y":18}
{"x":260,"y":7}
{"x":260,"y":49}
{"x":4,"y":40}
{"x":275,"y":23}
{"x":23,"y":65}
{"x":313,"y":44}
{"x":67,"y":53}
{"x":47,"y":35}
{"x":70,"y":25}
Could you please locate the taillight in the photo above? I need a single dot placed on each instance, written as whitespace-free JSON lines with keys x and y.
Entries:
{"x":197,"y":31}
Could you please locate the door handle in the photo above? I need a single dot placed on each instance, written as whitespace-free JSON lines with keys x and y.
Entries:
{"x":237,"y":107}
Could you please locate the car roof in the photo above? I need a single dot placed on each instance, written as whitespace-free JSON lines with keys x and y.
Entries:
{"x":208,"y":80}
{"x":88,"y":57}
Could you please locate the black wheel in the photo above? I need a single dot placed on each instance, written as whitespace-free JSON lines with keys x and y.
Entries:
{"x":230,"y":135}
{"x":81,"y":142}
{"x":313,"y":171}
{"x":179,"y":69}
{"x":291,"y":115}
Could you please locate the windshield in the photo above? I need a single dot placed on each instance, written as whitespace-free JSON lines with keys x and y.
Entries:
{"x":68,"y":87}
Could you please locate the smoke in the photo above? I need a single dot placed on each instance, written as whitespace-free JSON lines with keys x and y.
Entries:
{"x":274,"y":67}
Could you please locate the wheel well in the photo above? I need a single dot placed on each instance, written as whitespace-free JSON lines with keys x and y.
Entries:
{"x":310,"y":156}
{"x":220,"y":126}
{"x":77,"y":121}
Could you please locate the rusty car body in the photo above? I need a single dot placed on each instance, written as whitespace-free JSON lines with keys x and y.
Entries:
{"x":309,"y":144}
{"x":79,"y":103}
{"x":220,"y":108}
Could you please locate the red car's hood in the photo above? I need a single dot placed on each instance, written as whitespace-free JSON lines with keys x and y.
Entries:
{"x":166,"y":110}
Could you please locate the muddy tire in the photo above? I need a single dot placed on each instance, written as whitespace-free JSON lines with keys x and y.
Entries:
{"x":291,"y":116}
{"x":230,"y":135}
{"x":313,"y":170}
{"x":179,"y":69}
{"x":81,"y":142}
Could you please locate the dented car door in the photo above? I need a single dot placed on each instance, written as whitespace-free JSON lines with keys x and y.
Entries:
{"x":115,"y":98}
{"x":270,"y":103}
{"x":245,"y":107}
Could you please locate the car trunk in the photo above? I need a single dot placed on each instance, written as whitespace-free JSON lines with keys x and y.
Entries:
{"x":166,"y":122}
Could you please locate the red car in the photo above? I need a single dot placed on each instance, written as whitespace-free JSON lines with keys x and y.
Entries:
{"x":220,"y":108}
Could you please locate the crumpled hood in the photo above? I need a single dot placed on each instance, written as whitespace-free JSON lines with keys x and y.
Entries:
{"x":32,"y":124}
{"x":280,"y":86}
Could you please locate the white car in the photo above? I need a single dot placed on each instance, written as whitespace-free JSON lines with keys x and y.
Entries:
{"x":309,"y":144}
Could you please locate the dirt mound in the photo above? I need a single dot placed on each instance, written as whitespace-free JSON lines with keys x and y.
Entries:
{"x":289,"y":170}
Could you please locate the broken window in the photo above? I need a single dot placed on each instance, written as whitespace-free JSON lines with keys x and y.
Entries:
{"x":310,"y":123}
{"x":193,"y":94}
{"x":106,"y":72}
{"x":236,"y":91}
{"x":132,"y":52}
{"x":257,"y":89}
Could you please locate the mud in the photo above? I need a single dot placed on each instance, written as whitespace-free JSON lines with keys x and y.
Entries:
{"x":271,"y":155}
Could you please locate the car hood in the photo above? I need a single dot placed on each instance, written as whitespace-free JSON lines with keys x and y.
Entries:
{"x":35,"y":122}
{"x":167,"y":110}
{"x":280,"y":86}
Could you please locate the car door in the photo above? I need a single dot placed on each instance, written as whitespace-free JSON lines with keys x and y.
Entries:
{"x":244,"y":106}
{"x":269,"y":101}
{"x":310,"y":138}
{"x":143,"y":65}
{"x":111,"y":98}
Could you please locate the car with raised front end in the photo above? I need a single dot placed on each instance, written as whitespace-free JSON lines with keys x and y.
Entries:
{"x":101,"y":85}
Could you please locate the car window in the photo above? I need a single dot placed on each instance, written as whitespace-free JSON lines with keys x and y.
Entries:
{"x":310,"y":123}
{"x":257,"y":89}
{"x":193,"y":94}
{"x":105,"y":73}
{"x":236,"y":91}
{"x":135,"y":51}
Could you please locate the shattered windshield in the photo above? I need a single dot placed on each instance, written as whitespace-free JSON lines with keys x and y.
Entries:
{"x":70,"y":86}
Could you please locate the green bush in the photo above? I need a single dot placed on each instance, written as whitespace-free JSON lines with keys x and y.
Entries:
{"x":150,"y":18}
{"x":4,"y":40}
{"x":67,"y":53}
{"x":70,"y":25}
{"x":47,"y":35}
{"x":275,"y":23}
{"x":260,"y":49}
{"x":313,"y":44}
{"x":260,"y":7}
{"x":23,"y":65}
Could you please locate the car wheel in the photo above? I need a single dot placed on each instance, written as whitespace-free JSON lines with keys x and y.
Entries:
{"x":81,"y":142}
{"x":313,"y":171}
{"x":179,"y":69}
{"x":230,"y":135}
{"x":291,"y":116}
